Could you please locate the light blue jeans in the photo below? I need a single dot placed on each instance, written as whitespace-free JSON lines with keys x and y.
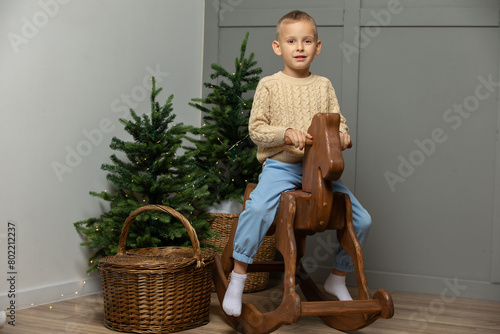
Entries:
{"x":262,"y":206}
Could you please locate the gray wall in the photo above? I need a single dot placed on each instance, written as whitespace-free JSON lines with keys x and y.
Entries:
{"x":412,"y":80}
{"x":68,"y":71}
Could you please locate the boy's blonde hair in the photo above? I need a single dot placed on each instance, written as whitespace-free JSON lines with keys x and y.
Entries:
{"x":296,"y":16}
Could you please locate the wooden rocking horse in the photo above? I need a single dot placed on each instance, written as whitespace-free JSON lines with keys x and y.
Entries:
{"x":314,"y":208}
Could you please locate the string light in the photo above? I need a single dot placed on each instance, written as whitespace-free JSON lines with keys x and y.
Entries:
{"x":65,"y":294}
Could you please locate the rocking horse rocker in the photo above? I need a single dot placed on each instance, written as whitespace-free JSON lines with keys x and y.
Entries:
{"x":314,"y":208}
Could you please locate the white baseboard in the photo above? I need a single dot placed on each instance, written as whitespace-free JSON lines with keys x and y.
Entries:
{"x":393,"y":282}
{"x":25,"y":298}
{"x":439,"y":286}
{"x":446,"y":287}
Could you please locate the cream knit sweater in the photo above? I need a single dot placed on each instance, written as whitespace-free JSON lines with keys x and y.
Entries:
{"x":282,"y":102}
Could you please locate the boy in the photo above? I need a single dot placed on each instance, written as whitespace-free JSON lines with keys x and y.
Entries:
{"x":284,"y":105}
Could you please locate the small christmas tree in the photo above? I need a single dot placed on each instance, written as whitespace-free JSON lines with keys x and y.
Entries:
{"x":225,"y":151}
{"x":154,"y":174}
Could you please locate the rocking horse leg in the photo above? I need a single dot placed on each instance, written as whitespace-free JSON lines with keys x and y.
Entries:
{"x":251,"y":320}
{"x":350,"y":321}
{"x":349,"y":241}
{"x":287,"y":246}
{"x":288,"y":312}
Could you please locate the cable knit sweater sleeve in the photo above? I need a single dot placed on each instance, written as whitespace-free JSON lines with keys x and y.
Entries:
{"x":262,"y":130}
{"x":335,"y":108}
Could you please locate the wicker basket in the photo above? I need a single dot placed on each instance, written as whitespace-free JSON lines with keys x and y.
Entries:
{"x":222,"y":224}
{"x":157,"y":290}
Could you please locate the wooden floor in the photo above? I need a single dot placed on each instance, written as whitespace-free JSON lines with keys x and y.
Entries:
{"x":413,"y":314}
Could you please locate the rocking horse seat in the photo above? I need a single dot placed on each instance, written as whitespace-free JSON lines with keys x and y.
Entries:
{"x":303,"y":200}
{"x":312,"y":209}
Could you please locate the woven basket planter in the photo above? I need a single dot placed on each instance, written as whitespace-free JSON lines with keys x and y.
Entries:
{"x":222,"y":224}
{"x":157,"y":290}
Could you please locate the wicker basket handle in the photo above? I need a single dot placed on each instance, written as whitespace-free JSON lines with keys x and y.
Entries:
{"x":192,"y":233}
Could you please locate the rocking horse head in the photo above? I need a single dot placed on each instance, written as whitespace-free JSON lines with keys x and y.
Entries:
{"x":322,"y":164}
{"x":323,"y":158}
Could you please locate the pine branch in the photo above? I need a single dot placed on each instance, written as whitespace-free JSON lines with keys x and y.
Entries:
{"x":154,"y":172}
{"x":222,"y":149}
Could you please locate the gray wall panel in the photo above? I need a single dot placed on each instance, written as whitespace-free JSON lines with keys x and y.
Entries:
{"x":412,"y":80}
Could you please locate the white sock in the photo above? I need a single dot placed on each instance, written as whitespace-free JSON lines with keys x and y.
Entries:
{"x":335,"y":285}
{"x":232,"y":300}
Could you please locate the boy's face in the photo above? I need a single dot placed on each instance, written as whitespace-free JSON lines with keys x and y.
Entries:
{"x":298,"y":47}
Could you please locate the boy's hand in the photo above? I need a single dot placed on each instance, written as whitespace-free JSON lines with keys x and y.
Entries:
{"x":297,"y":137}
{"x":345,"y":140}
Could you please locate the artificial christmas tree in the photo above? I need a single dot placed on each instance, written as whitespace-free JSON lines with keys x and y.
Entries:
{"x":226,"y":154}
{"x":154,"y":174}
{"x":225,"y":151}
